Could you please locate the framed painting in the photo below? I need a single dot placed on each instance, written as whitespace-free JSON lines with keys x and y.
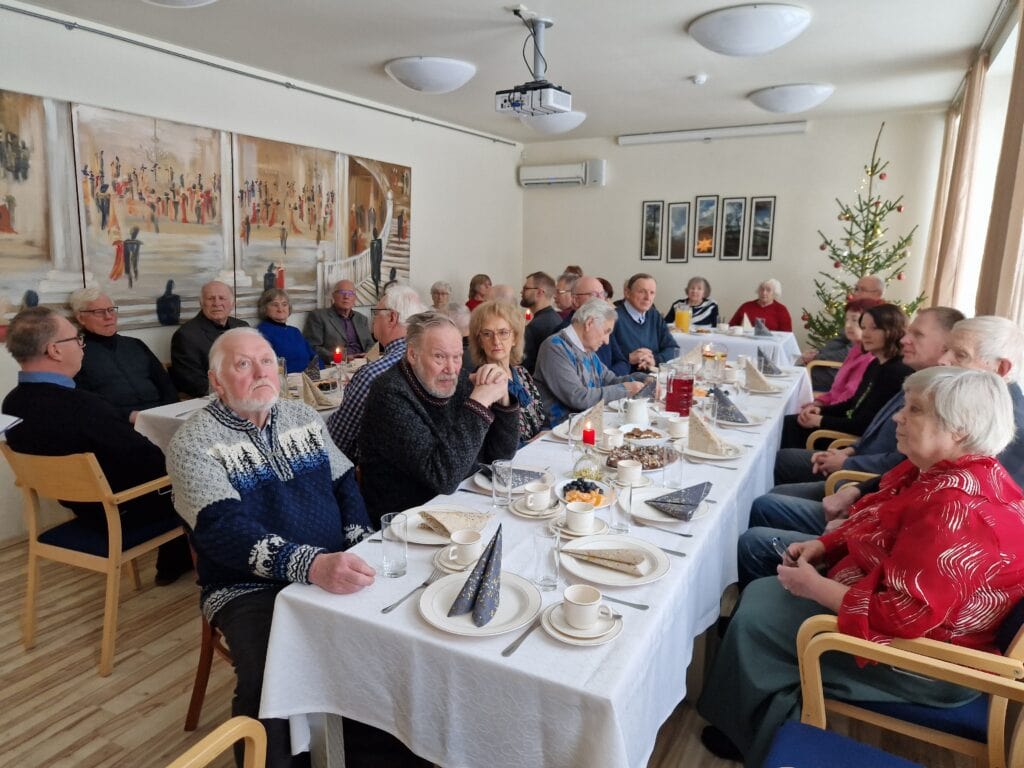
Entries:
{"x":677,"y":251}
{"x":150,"y":207}
{"x":650,"y":241}
{"x":705,"y":230}
{"x":762,"y":228}
{"x":734,"y":219}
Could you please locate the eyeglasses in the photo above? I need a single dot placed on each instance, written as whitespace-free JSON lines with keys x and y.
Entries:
{"x":79,"y":337}
{"x":344,"y":293}
{"x":375,"y":310}
{"x":102,"y":312}
{"x":593,"y":294}
{"x":560,"y":291}
{"x":502,"y":334}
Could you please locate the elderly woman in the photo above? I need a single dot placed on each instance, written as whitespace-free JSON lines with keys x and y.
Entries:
{"x":937,"y":552}
{"x":496,"y":336}
{"x":569,"y":374}
{"x":698,"y":299}
{"x":273,"y":309}
{"x":775,"y":315}
{"x":441,"y":295}
{"x":479,"y":291}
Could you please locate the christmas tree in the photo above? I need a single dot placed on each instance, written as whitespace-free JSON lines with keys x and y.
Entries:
{"x":862,"y":250}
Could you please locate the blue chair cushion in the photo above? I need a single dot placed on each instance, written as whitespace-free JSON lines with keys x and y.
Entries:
{"x":77,"y":536}
{"x":969,"y":720}
{"x":797,"y":745}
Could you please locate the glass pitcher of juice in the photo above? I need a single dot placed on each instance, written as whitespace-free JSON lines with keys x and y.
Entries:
{"x":683,"y":318}
{"x":679,"y":394}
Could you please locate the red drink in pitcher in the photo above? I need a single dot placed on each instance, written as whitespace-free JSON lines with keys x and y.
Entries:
{"x":679,"y":396}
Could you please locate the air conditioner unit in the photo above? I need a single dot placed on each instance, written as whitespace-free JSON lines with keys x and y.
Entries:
{"x":589,"y":172}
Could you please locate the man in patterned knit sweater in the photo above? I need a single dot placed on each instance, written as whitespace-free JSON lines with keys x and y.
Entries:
{"x":270,"y":501}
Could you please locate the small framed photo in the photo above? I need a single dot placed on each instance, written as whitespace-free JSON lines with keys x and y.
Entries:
{"x":705,"y":238}
{"x":677,"y":251}
{"x":650,"y":242}
{"x":734,"y":222}
{"x":762,"y":228}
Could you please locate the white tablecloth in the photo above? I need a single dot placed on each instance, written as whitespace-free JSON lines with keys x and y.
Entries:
{"x":781,"y":348}
{"x":458,"y":702}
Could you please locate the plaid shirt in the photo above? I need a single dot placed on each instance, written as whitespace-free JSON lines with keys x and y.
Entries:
{"x":345,"y":423}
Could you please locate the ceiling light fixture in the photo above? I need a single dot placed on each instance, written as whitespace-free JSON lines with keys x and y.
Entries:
{"x":430,"y":74}
{"x":709,"y":134}
{"x":786,"y":99}
{"x":180,"y":3}
{"x":750,"y":30}
{"x":556,"y":122}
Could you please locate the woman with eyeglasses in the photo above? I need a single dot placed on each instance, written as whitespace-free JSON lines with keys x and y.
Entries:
{"x":120,"y":369}
{"x":273,"y":309}
{"x":496,"y":336}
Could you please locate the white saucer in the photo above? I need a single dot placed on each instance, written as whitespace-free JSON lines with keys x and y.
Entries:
{"x":545,"y":622}
{"x":519,"y":509}
{"x":441,"y":561}
{"x":734,"y":452}
{"x":603,"y":626}
{"x":643,"y":482}
{"x":557,"y":525}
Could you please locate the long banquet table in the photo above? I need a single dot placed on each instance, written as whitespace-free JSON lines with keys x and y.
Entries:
{"x":781,"y":348}
{"x":458,"y":702}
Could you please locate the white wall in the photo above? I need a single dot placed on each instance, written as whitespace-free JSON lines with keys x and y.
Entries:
{"x":599,"y":227}
{"x":467,"y":207}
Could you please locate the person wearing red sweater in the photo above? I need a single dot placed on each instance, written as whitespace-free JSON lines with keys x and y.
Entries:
{"x":774,"y":313}
{"x":937,"y":552}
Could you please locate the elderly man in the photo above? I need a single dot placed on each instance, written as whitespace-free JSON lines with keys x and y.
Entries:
{"x":190,"y":345}
{"x":835,"y":350}
{"x":120,"y":369}
{"x":59,"y":419}
{"x":583,"y":290}
{"x":270,"y":501}
{"x":563,"y":294}
{"x":642,"y":339}
{"x":396,"y":306}
{"x":338,"y":326}
{"x":538,"y":291}
{"x":430,"y":424}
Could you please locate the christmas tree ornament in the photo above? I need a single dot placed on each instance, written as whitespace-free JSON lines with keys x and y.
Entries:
{"x":882,"y":175}
{"x":899,"y":209}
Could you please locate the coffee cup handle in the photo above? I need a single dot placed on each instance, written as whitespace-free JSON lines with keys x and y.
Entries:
{"x":604,"y":612}
{"x":453,"y":553}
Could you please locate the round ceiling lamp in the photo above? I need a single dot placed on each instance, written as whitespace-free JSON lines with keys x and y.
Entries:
{"x":430,"y":74}
{"x":750,"y":30}
{"x":556,"y":122}
{"x":798,"y":97}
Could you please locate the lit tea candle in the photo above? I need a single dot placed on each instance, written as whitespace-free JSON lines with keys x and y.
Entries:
{"x":529,"y":315}
{"x":337,"y":355}
{"x":589,"y":434}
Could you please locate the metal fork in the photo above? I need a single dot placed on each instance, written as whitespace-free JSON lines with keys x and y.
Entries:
{"x":641,"y":524}
{"x":436,"y":574}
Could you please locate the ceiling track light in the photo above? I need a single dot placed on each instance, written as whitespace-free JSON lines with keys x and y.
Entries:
{"x":711,"y":134}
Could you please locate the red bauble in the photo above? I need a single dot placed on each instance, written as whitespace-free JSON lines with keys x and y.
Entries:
{"x":805,"y":317}
{"x":899,"y":208}
{"x":823,"y":247}
{"x":837,"y":264}
{"x":849,"y":297}
{"x":882,"y":175}
{"x":899,"y":276}
{"x":877,"y":203}
{"x":807,"y":325}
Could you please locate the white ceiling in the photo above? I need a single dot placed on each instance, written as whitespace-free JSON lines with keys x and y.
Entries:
{"x":626,"y":63}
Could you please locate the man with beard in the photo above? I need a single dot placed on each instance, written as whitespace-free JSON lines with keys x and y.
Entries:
{"x":537,"y":294}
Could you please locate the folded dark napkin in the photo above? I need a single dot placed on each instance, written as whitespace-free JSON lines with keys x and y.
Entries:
{"x":760,"y":329}
{"x":727,"y":410}
{"x":683,"y":503}
{"x":765,"y":365}
{"x":520,"y":477}
{"x":313,"y":369}
{"x":482,"y":589}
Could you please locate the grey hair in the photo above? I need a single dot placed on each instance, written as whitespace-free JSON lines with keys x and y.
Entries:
{"x":879,"y":283}
{"x":973,"y":404}
{"x":995,"y":339}
{"x":569,"y":279}
{"x":217,"y":352}
{"x":774,"y":284}
{"x":268,"y":296}
{"x":30,"y":331}
{"x":594,"y":309}
{"x":78,"y":300}
{"x":459,"y":313}
{"x":442,"y":287}
{"x":418,"y":325}
{"x":404,"y":301}
{"x":707,"y":285}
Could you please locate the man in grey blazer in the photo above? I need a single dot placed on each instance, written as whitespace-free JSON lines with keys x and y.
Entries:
{"x":339,"y":325}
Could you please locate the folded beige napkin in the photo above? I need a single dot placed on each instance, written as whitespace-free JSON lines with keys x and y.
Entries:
{"x":701,"y":438}
{"x":746,"y":325}
{"x":312,"y":395}
{"x":447,"y":522}
{"x":626,"y":560}
{"x":595,"y":415}
{"x":756,"y":382}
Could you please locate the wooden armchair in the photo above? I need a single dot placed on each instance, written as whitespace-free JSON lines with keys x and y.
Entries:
{"x":839,"y":439}
{"x":977,"y":729}
{"x":821,"y":364}
{"x":845,"y":476}
{"x":78,"y":478}
{"x":223,"y":737}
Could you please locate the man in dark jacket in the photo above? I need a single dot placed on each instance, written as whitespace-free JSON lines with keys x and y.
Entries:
{"x":190,"y":345}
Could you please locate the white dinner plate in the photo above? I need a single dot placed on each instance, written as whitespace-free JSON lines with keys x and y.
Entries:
{"x":482,"y":481}
{"x":642,"y":511}
{"x":417,"y":535}
{"x":561,"y":430}
{"x":559,"y":527}
{"x":752,"y":421}
{"x":673,"y":458}
{"x":657,"y":563}
{"x":733,"y":451}
{"x":518,"y":603}
{"x":662,"y":435}
{"x":601,"y":487}
{"x":772,"y":391}
{"x":550,"y":625}
{"x":519,"y":509}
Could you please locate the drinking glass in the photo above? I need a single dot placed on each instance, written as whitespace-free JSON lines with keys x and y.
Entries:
{"x":620,"y":508}
{"x":545,"y":559}
{"x":501,"y":483}
{"x":394,"y":544}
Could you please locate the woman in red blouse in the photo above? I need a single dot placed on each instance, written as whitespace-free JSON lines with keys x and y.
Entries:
{"x":775,"y":315}
{"x":937,"y":552}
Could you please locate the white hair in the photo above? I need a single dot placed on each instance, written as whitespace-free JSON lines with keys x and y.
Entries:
{"x":995,"y":339}
{"x":594,"y":309}
{"x":774,"y":284}
{"x":403,"y":300}
{"x":78,"y":300}
{"x":459,"y":313}
{"x":970,"y":403}
{"x":217,"y":352}
{"x":442,"y":287}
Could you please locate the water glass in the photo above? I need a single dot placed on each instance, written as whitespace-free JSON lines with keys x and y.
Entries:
{"x":672,"y":474}
{"x":394,"y":544}
{"x":620,"y":508}
{"x":545,"y":559}
{"x":501,"y":483}
{"x":709,"y":409}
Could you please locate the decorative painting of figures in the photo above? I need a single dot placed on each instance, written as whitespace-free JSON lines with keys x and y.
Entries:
{"x":24,"y":210}
{"x":285,"y":214}
{"x":150,"y":206}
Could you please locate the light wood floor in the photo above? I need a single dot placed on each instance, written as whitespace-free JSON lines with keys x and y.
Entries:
{"x":55,"y":711}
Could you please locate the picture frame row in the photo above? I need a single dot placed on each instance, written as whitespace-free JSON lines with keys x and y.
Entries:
{"x":725,"y":228}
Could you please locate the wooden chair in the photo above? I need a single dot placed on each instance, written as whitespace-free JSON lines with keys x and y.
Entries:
{"x":839,"y":439}
{"x":78,"y":478}
{"x":977,"y":729}
{"x":821,"y":364}
{"x":223,"y":737}
{"x":212,"y":642}
{"x":845,"y":476}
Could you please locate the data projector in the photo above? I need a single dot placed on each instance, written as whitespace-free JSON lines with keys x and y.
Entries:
{"x":538,"y":97}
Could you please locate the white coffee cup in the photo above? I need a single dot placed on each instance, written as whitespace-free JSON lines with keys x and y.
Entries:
{"x":677,"y":426}
{"x":538,"y":495}
{"x":723,"y":327}
{"x":629,"y":471}
{"x":736,"y":330}
{"x":729,"y":375}
{"x":579,"y":516}
{"x":466,"y":547}
{"x":582,"y":606}
{"x":611,"y":438}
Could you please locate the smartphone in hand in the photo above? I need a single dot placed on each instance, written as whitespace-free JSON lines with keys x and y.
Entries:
{"x":782,"y":551}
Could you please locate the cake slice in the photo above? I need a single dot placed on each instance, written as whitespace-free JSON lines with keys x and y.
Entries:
{"x":702,"y":439}
{"x":755,"y":381}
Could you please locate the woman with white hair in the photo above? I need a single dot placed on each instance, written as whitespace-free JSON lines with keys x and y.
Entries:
{"x":440,"y":296}
{"x":569,"y":375}
{"x":766,"y":307}
{"x":937,"y":552}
